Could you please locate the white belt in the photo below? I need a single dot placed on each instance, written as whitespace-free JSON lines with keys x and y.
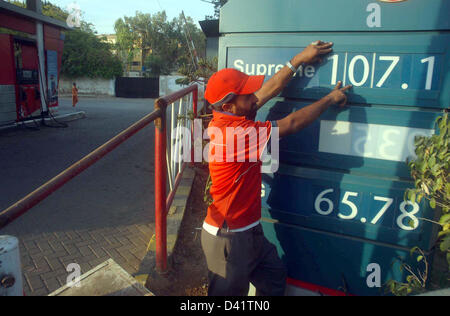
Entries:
{"x":213,"y":230}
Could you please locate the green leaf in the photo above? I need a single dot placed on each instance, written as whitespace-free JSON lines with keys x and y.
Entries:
{"x":443,"y":233}
{"x":439,"y":183}
{"x":432,"y":161}
{"x":435,"y":170}
{"x":441,"y":155}
{"x":418,"y":140}
{"x":422,"y":166}
{"x":411,"y":195}
{"x":419,"y":197}
{"x":413,"y":250}
{"x":444,"y":219}
{"x":433,"y":203}
{"x":419,"y":258}
{"x":406,"y":194}
{"x":445,"y":244}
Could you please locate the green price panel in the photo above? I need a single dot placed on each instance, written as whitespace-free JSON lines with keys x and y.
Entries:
{"x":399,"y":72}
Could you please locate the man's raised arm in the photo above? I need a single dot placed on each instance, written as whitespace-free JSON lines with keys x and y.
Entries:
{"x":310,"y":55}
{"x":300,"y":119}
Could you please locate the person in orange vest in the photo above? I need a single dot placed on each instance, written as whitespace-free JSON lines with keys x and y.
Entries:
{"x":74,"y":94}
{"x":232,"y":238}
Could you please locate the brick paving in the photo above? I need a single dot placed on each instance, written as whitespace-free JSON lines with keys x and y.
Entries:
{"x":45,"y":256}
{"x":81,"y":224}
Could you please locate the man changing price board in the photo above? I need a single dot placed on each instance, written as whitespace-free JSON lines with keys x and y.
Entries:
{"x":235,"y":248}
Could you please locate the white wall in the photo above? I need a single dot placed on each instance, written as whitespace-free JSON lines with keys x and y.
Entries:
{"x":167,"y":86}
{"x":88,"y":86}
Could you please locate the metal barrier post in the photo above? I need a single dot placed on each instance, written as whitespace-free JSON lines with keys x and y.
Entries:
{"x":194,"y":108}
{"x":11,"y":283}
{"x":195,"y":101}
{"x":160,"y":187}
{"x":162,"y":203}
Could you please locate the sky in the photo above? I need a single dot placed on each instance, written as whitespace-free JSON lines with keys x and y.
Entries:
{"x":104,"y":13}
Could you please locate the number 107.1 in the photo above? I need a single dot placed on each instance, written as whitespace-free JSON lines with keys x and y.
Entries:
{"x":369,"y":71}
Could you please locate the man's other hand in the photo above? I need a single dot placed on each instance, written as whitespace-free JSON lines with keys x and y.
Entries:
{"x":313,"y":53}
{"x":338,"y":95}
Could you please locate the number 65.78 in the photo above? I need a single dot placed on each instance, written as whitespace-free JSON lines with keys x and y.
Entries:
{"x":325,"y":206}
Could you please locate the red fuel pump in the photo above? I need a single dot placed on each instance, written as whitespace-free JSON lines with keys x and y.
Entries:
{"x":27,"y":79}
{"x":19,"y":79}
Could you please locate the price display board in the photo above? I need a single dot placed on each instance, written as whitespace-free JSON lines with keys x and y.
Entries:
{"x":336,"y":205}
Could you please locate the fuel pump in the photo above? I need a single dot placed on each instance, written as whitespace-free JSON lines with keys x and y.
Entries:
{"x":27,"y":79}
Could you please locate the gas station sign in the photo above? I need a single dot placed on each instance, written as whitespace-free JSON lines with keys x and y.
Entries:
{"x":337,"y":203}
{"x":370,"y":70}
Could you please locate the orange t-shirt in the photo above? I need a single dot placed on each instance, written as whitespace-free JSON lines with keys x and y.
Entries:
{"x":235,"y":164}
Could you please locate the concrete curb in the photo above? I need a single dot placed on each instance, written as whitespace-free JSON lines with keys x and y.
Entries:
{"x":106,"y":279}
{"x":69,"y":117}
{"x":147,"y":273}
{"x":62,"y":118}
{"x":92,"y":95}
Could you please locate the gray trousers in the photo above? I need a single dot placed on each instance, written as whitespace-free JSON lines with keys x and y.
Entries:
{"x":235,"y":259}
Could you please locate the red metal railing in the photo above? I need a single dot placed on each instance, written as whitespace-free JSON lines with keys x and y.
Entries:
{"x":162,"y":204}
{"x":162,"y":200}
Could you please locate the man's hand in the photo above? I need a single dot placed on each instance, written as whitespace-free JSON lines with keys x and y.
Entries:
{"x":305,"y":116}
{"x":338,"y":96}
{"x":313,"y":53}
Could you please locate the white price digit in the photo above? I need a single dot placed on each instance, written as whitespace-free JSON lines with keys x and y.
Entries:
{"x":388,"y":143}
{"x":394,"y":60}
{"x":410,"y":215}
{"x":430,"y":70}
{"x":321,"y":199}
{"x":351,"y":70}
{"x":335,"y":59}
{"x":383,"y":210}
{"x":360,"y":142}
{"x":353,"y":207}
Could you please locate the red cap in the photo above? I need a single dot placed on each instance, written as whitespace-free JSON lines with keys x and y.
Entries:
{"x":230,"y":82}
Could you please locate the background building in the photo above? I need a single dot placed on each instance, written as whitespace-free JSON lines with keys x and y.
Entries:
{"x":133,"y":68}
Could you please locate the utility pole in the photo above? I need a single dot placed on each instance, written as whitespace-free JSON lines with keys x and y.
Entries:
{"x":190,"y":42}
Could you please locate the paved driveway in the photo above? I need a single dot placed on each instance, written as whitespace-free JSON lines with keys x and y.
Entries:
{"x":106,"y":212}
